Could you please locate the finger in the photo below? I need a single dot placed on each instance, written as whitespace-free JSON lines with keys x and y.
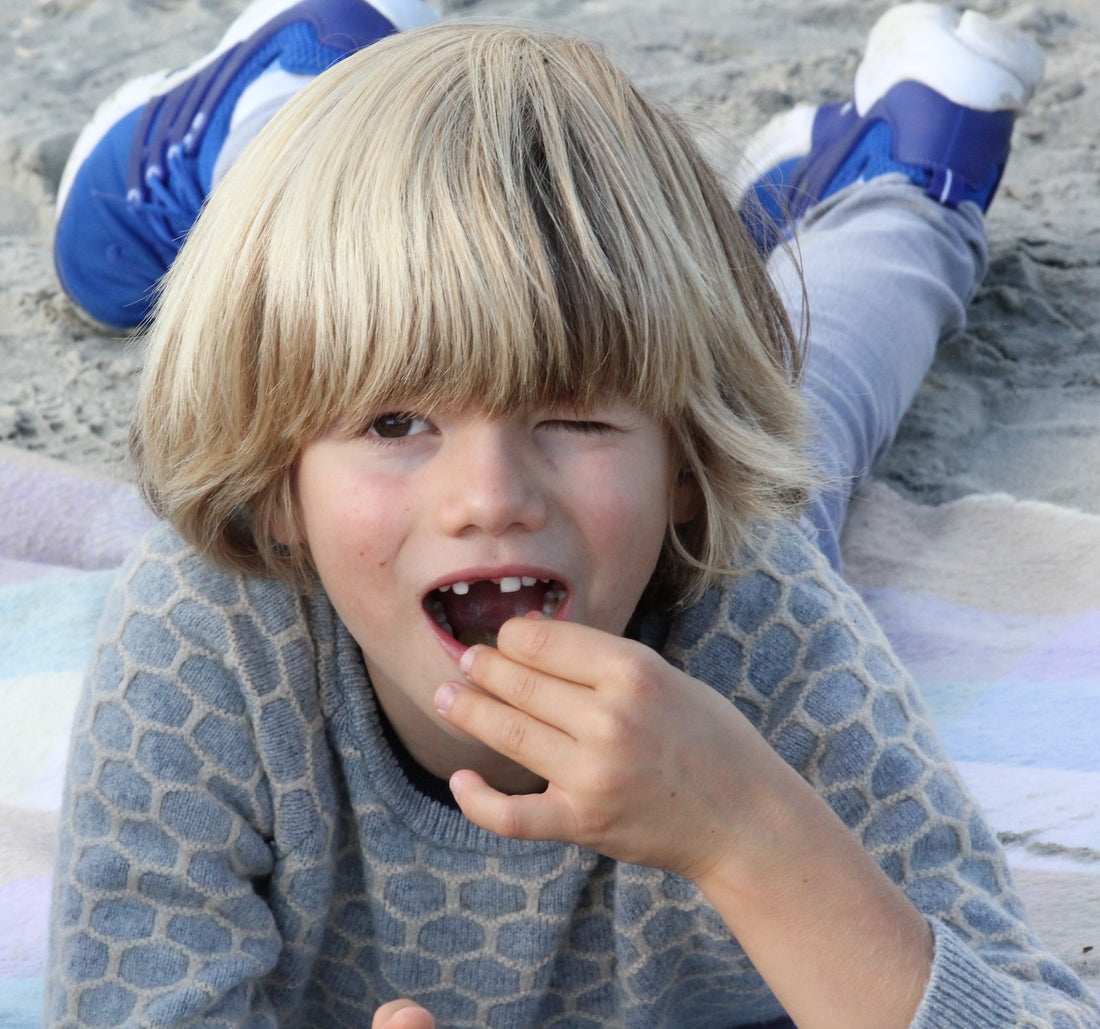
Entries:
{"x":402,"y":1014}
{"x":546,"y":697}
{"x":530,"y":816}
{"x":529,"y":741}
{"x":573,"y":652}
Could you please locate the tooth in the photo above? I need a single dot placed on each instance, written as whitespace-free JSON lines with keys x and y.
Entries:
{"x":510,"y":584}
{"x":444,"y":589}
{"x":551,"y":602}
{"x":439,"y":616}
{"x":528,"y":580}
{"x":461,"y":588}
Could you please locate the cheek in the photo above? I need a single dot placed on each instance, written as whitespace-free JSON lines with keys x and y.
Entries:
{"x":632,"y":521}
{"x":351,"y":534}
{"x":355,"y":560}
{"x":346,"y":523}
{"x":624,"y":560}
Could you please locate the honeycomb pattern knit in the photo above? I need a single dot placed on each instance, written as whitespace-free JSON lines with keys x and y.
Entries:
{"x":240,"y":845}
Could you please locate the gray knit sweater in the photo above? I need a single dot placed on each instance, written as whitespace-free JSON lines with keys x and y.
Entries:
{"x":241,"y":845}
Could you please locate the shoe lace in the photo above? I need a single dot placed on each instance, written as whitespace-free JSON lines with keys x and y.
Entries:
{"x":173,"y":192}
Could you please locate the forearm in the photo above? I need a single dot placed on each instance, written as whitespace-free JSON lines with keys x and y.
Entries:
{"x":836,"y":940}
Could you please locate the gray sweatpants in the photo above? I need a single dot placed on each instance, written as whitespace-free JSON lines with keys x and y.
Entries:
{"x":888,"y":274}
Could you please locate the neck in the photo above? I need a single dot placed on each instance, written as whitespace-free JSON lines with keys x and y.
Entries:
{"x":440,"y":752}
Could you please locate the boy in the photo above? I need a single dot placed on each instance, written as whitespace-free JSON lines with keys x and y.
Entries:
{"x":521,"y":379}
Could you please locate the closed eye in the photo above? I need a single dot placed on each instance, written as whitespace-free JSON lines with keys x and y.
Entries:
{"x":581,"y":425}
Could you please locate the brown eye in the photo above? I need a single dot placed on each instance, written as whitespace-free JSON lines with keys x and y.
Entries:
{"x":397,"y":425}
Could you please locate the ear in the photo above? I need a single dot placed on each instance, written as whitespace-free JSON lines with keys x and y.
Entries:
{"x":284,"y":507}
{"x":281,"y":530}
{"x":687,"y":501}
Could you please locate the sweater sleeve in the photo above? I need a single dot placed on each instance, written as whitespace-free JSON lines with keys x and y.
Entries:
{"x":805,"y":661}
{"x":159,"y":914}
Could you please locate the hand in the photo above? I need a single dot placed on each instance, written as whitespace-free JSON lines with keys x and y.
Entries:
{"x":643,"y":763}
{"x":646,"y":765}
{"x":402,"y":1014}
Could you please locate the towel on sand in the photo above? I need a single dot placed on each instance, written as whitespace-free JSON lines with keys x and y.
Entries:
{"x":993,"y":604}
{"x":62,"y":532}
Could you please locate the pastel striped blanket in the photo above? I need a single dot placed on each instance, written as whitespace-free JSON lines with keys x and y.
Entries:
{"x":62,"y":532}
{"x":993,"y":604}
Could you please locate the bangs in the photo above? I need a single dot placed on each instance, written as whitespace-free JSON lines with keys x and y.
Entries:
{"x":527,"y":251}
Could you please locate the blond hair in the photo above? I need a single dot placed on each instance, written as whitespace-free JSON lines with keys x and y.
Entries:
{"x":466,"y":215}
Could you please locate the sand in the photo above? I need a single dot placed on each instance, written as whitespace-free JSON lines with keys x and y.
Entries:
{"x":1011,"y":404}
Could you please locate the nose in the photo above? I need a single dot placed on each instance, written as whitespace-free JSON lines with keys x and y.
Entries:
{"x":491,"y":481}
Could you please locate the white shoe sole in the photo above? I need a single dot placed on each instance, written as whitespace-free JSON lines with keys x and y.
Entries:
{"x":980,"y":64}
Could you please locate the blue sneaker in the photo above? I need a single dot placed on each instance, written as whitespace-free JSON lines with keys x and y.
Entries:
{"x":933,"y":101}
{"x":140,"y":171}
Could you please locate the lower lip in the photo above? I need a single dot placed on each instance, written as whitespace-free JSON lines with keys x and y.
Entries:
{"x":454,"y":649}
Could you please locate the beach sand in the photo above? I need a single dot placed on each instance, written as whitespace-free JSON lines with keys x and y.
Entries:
{"x":1012,"y":404}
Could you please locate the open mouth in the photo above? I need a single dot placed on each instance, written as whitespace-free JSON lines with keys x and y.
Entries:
{"x":473,"y":612}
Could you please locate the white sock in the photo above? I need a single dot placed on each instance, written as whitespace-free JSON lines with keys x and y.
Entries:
{"x":255,"y":108}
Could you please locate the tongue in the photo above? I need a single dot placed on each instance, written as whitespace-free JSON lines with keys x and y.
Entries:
{"x":486,"y":609}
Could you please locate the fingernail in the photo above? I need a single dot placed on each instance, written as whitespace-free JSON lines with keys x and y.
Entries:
{"x":466,"y":660}
{"x":444,"y":697}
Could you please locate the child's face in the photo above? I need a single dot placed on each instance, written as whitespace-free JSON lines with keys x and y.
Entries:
{"x":553,"y":511}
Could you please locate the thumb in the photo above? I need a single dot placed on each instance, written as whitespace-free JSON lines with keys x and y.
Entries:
{"x":522,"y":816}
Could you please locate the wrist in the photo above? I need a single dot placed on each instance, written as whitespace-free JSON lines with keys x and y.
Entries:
{"x":776,"y":828}
{"x":813,"y":910}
